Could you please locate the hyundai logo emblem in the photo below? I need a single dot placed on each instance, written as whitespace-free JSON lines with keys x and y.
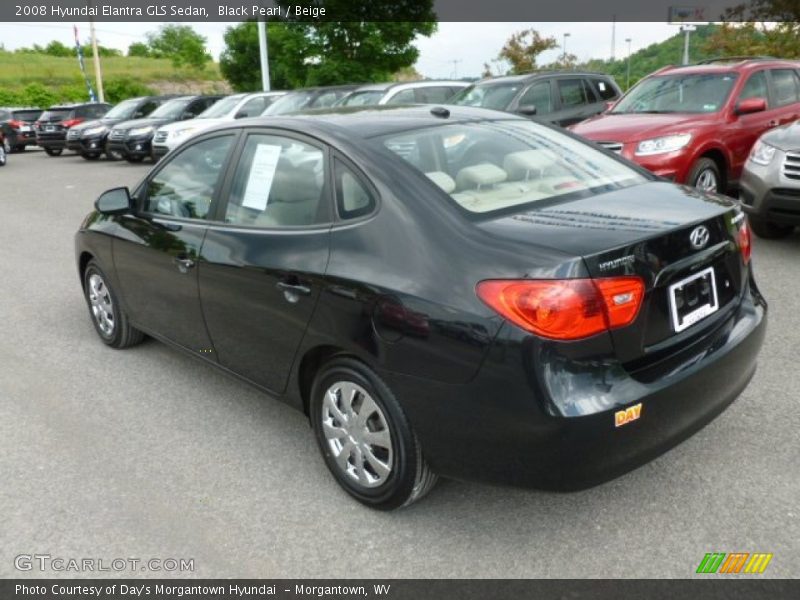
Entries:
{"x":699,"y":237}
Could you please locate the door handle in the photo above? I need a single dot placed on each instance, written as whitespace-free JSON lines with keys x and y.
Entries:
{"x":184,"y":264}
{"x":773,"y":123}
{"x":294,"y":288}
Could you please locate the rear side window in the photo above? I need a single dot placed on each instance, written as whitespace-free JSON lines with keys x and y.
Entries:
{"x":279,"y":182}
{"x":786,"y":86}
{"x":603,"y":89}
{"x":187,"y":184}
{"x":538,"y":95}
{"x":572,"y":93}
{"x":433,"y":95}
{"x":353,"y":198}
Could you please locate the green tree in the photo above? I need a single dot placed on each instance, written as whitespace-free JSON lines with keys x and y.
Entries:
{"x":35,"y":94}
{"x":366,"y":43}
{"x":56,"y":48}
{"x":522,"y":49}
{"x":180,"y":43}
{"x":139,"y":49}
{"x":746,"y":33}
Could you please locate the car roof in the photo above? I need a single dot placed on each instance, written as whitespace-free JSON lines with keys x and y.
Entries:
{"x":730,"y":65}
{"x":378,"y":87}
{"x":525,"y":77}
{"x":372,"y":121}
{"x":76,"y":105}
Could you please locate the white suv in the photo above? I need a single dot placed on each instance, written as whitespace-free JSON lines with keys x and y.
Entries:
{"x":237,"y":106}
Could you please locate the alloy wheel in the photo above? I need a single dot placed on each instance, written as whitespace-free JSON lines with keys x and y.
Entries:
{"x":357,"y":434}
{"x":707,"y":181}
{"x":101,"y":304}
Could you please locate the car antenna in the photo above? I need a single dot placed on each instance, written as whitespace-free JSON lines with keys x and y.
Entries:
{"x":440,"y":111}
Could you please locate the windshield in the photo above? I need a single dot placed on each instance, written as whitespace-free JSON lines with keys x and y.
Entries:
{"x":221,"y":108}
{"x":172,"y":109}
{"x":123,"y":110}
{"x":495,"y":165}
{"x":488,"y":95}
{"x":365,"y":98}
{"x":289,"y":103}
{"x":696,"y":93}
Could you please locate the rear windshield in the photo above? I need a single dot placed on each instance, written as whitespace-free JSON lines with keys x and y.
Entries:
{"x":488,"y":95}
{"x":696,"y":93}
{"x":26,"y":115}
{"x":495,"y":165}
{"x":56,"y":114}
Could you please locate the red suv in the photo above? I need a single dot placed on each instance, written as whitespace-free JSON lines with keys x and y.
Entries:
{"x":697,"y":124}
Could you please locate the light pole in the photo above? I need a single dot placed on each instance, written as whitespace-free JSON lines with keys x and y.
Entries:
{"x":628,"y":75}
{"x":564,"y":56}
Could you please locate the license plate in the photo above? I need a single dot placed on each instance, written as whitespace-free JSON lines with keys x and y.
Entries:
{"x":693,"y":299}
{"x":25,"y":128}
{"x":49,"y":128}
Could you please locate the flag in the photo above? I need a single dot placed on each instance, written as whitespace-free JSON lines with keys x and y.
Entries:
{"x":79,"y":50}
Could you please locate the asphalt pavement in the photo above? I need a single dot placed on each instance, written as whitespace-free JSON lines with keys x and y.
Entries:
{"x":147,"y":453}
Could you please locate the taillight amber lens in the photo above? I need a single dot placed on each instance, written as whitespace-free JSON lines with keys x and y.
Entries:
{"x":565,"y":309}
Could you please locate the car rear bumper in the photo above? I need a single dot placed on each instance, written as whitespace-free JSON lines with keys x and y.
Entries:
{"x":501,"y":428}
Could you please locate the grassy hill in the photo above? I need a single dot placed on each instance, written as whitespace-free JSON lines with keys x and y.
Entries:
{"x":40,"y":79}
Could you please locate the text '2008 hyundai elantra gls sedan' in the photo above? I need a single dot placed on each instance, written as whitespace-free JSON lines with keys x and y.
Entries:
{"x":453,"y":292}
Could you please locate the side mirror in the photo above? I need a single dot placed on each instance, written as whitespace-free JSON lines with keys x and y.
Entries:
{"x":751,"y":105}
{"x":115,"y":201}
{"x":527,"y":109}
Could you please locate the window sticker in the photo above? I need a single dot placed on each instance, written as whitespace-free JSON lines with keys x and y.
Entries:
{"x":262,"y":174}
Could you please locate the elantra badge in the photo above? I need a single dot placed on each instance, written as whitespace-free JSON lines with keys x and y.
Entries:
{"x":699,"y":237}
{"x":623,"y":417}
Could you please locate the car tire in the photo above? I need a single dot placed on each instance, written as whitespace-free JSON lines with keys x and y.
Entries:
{"x":53,"y":151}
{"x":705,"y":176}
{"x":3,"y":156}
{"x":113,"y":154}
{"x":134,"y":159}
{"x":109,"y":320}
{"x":20,"y":148}
{"x":6,"y":146}
{"x":365,"y":438}
{"x":767,"y":229}
{"x":90,"y":155}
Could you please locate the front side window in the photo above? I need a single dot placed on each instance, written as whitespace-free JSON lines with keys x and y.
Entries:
{"x":364,"y":98}
{"x":186,"y":185}
{"x":253,"y":107}
{"x":402,"y":97}
{"x":755,"y":87}
{"x":279,"y":182}
{"x":787,"y":88}
{"x":572,"y":93}
{"x":538,"y":95}
{"x":171,"y":109}
{"x":495,"y":165}
{"x":489,"y":95}
{"x":696,"y":93}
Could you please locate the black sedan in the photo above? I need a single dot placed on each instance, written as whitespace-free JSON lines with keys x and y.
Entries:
{"x":454,"y":292}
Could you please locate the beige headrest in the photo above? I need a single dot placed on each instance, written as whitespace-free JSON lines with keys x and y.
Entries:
{"x":519,"y":165}
{"x":443,"y":180}
{"x":479,"y":175}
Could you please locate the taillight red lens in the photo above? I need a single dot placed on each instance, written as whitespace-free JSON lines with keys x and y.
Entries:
{"x":565,"y":309}
{"x":745,"y":241}
{"x":71,"y":122}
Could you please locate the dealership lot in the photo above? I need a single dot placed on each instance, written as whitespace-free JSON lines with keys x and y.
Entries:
{"x":148,"y":453}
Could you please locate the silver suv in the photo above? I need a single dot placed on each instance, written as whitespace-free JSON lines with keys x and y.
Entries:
{"x":770,"y":183}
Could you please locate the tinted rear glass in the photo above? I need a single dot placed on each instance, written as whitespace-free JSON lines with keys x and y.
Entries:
{"x":26,"y":115}
{"x":57,"y":114}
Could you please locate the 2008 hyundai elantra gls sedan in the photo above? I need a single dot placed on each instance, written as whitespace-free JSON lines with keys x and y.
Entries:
{"x":443,"y":291}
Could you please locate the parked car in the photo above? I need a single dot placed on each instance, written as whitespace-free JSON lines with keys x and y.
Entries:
{"x":52,"y":125}
{"x":238,"y":106}
{"x":559,"y":97}
{"x":90,"y":139}
{"x":17,"y":127}
{"x":696,"y":124}
{"x":132,"y":140}
{"x":308,"y":98}
{"x":415,"y":92}
{"x":3,"y":153}
{"x":770,"y":184}
{"x":551,"y":318}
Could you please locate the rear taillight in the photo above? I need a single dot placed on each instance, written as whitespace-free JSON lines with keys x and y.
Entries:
{"x":745,"y":241}
{"x":71,"y":122}
{"x":14,"y":124}
{"x":565,"y":309}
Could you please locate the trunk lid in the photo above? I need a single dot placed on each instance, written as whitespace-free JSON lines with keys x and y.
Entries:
{"x":645,"y":230}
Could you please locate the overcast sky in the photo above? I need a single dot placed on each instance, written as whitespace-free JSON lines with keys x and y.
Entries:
{"x":471,"y":44}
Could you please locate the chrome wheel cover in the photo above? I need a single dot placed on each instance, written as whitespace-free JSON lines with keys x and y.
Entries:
{"x":357,"y":434}
{"x":707,"y":181}
{"x":101,"y":305}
